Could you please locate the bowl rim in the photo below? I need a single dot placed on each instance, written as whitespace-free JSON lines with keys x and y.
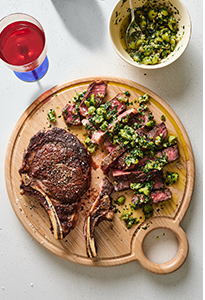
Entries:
{"x":161,"y":64}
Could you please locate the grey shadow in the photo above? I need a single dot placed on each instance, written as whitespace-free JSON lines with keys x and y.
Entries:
{"x":84,"y":21}
{"x":40,"y":89}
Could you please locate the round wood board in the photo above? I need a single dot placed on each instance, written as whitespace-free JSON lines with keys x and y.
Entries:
{"x":116,"y":244}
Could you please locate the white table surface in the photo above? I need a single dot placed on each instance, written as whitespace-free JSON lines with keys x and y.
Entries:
{"x":78,"y":45}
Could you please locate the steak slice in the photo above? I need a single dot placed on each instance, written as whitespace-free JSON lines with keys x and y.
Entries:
{"x":98,"y":89}
{"x":126,"y":175}
{"x":100,"y":210}
{"x":71,"y":115}
{"x":152,"y":134}
{"x":89,"y":127}
{"x":113,"y":108}
{"x":172,"y":153}
{"x":142,"y":117}
{"x":159,"y":129}
{"x":126,"y":115}
{"x":158,"y":180}
{"x":155,"y":197}
{"x":122,"y":179}
{"x":98,"y":136}
{"x":56,"y":170}
{"x":121,"y":164}
{"x":115,"y":105}
{"x":109,"y":146}
{"x":110,"y":159}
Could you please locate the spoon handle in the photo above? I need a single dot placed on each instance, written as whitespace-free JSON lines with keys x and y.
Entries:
{"x":132,"y":9}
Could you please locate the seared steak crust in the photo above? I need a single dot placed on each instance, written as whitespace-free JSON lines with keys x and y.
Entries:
{"x":58,"y":163}
{"x":56,"y":170}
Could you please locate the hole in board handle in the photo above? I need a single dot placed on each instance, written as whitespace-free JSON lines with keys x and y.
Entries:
{"x":160,"y":245}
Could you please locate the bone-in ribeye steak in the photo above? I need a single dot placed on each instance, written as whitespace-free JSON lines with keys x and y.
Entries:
{"x":56,"y":170}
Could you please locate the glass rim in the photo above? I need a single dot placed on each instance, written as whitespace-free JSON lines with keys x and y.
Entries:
{"x":39,"y":60}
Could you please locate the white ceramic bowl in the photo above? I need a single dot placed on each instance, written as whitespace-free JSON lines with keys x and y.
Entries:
{"x":122,"y":10}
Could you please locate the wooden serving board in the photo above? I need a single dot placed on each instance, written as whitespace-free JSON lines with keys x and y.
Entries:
{"x":116,"y":244}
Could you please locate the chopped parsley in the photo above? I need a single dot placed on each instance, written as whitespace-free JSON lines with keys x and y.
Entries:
{"x":127,"y":217}
{"x":51,"y":115}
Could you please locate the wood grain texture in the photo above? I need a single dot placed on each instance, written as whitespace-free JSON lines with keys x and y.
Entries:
{"x":116,"y":244}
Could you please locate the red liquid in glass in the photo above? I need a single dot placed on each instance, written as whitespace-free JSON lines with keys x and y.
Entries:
{"x":21,"y":43}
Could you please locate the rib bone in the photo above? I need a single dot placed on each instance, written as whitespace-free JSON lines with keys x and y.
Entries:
{"x":58,"y":232}
{"x":100,"y":210}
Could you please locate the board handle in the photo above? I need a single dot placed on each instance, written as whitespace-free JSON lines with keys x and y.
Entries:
{"x":173,"y":264}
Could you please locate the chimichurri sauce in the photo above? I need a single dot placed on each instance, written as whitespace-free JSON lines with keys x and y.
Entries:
{"x":158,"y":36}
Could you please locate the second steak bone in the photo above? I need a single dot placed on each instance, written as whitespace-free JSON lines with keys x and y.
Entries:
{"x":100,"y":210}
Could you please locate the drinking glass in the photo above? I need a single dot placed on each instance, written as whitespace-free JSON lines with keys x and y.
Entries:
{"x":23,"y":46}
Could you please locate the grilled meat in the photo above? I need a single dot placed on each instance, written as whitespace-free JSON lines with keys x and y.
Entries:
{"x":100,"y":210}
{"x":123,"y":179}
{"x":114,"y":108}
{"x":110,"y":159}
{"x":71,"y":115}
{"x":96,"y":88}
{"x":56,"y":170}
{"x":155,"y":197}
{"x":159,"y":129}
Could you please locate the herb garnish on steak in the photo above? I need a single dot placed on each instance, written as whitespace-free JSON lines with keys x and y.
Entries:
{"x":138,"y":148}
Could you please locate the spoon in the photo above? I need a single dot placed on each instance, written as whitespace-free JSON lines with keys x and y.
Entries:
{"x":133,"y":26}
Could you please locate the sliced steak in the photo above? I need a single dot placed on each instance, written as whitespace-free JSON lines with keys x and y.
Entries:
{"x":110,"y":159}
{"x":99,"y":135}
{"x":113,"y":108}
{"x":71,"y":115}
{"x":96,"y":88}
{"x":158,"y":180}
{"x":100,"y":210}
{"x":123,"y":179}
{"x":157,"y":162}
{"x":155,"y":197}
{"x":116,"y":105}
{"x":135,"y":176}
{"x":109,"y":146}
{"x":152,"y":134}
{"x":121,"y":164}
{"x":172,"y":153}
{"x":141,"y":118}
{"x":159,"y":129}
{"x":89,"y":127}
{"x":125,"y":116}
{"x":56,"y":170}
{"x":121,"y":161}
